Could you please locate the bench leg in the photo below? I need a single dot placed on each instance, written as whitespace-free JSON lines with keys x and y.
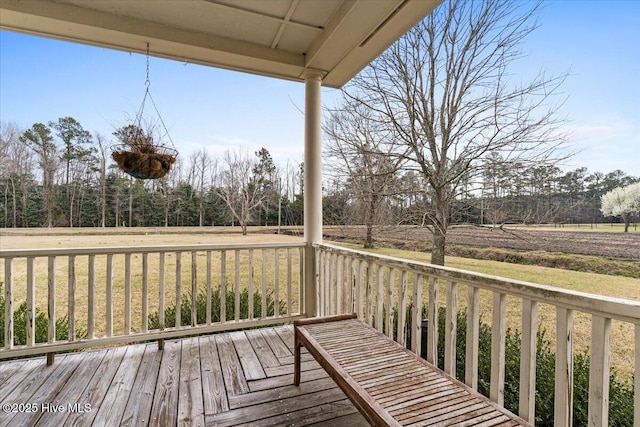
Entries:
{"x":296,"y":360}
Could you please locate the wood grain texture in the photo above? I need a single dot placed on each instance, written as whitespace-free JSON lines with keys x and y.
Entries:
{"x":389,"y":384}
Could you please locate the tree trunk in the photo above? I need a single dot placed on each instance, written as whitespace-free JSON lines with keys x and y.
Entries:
{"x":369,"y":218}
{"x":627,"y":221}
{"x":439,"y":241}
{"x":439,"y":236}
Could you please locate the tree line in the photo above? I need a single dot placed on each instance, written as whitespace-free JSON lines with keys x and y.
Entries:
{"x":59,"y":174}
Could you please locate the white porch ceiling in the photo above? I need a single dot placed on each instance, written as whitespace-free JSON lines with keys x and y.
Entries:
{"x":277,"y":38}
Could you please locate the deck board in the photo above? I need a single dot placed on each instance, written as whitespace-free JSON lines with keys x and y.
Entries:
{"x":214,"y":393}
{"x":228,"y":379}
{"x":190,"y":400}
{"x":239,"y":378}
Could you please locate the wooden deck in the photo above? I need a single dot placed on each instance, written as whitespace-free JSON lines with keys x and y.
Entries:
{"x":229,"y":379}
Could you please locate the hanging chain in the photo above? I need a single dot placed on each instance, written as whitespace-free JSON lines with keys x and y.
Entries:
{"x":148,"y":94}
{"x":148,"y":81}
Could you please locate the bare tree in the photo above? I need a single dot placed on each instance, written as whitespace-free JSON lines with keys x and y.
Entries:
{"x":204,"y":168}
{"x":446,"y":89}
{"x":236,"y":186}
{"x":358,"y":143}
{"x":103,"y":150}
{"x":16,"y":164}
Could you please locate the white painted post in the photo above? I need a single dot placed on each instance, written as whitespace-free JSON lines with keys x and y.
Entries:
{"x":208,"y":282}
{"x":599,"y":372}
{"x":31,"y":302}
{"x":127,"y":294}
{"x":636,"y":396}
{"x":473,"y":337}
{"x":178,"y":324}
{"x":194,"y":288}
{"x":276,"y":283}
{"x":71,"y":299}
{"x":109,"y":295}
{"x":416,"y":316}
{"x":450,"y":329}
{"x":52,"y":299}
{"x":8,"y":303}
{"x":527,"y":404}
{"x":389,"y":299}
{"x":379,"y":296}
{"x":432,"y":332}
{"x":498,"y":338}
{"x":563,"y":412}
{"x":160,"y":292}
{"x":223,"y":286}
{"x":402,"y":307}
{"x":145,"y":292}
{"x":312,"y":183}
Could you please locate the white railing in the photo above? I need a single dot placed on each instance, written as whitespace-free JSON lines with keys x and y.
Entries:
{"x":108,"y":294}
{"x":373,"y":286}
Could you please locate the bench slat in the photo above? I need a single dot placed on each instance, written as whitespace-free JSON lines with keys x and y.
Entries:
{"x":387,"y":383}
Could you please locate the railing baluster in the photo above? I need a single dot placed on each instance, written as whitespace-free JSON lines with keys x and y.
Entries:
{"x":91,"y":297}
{"x":223,"y":286}
{"x":264,"y":285}
{"x":194,"y":288}
{"x":333,"y":280}
{"x":473,"y":337}
{"x":178,"y":289}
{"x":389,"y":296}
{"x":31,"y":303}
{"x":358,"y":266}
{"x":563,"y":413}
{"x":127,"y":295}
{"x":599,"y":371}
{"x":416,"y":315}
{"x":402,"y":308}
{"x":368,"y":299}
{"x":636,"y":395}
{"x":276,"y":282}
{"x":161,"y":318}
{"x":527,"y":404}
{"x":498,"y":333}
{"x":289,"y":277}
{"x":450,"y":328}
{"x":339,"y":283}
{"x":8,"y":303}
{"x":71,"y":300}
{"x":208,"y":281}
{"x":379,"y":299}
{"x":250,"y":303}
{"x":348,"y":288}
{"x":109,"y":295}
{"x":237,"y":286}
{"x":145,"y":292}
{"x":432,"y":321}
{"x":320,"y":271}
{"x":51,"y":309}
{"x":300,"y":279}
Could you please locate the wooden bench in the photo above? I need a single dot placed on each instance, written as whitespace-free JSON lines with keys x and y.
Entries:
{"x":390,"y":385}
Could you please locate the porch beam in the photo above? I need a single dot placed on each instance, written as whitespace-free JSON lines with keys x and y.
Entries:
{"x":312,"y":184}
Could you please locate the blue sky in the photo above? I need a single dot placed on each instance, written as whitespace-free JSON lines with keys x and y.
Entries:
{"x":597,"y":41}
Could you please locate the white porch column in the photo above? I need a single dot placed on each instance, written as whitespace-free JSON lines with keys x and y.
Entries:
{"x":312,"y":184}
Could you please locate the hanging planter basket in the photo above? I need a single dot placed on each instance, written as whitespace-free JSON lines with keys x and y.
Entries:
{"x":139,"y":155}
{"x":144,"y":162}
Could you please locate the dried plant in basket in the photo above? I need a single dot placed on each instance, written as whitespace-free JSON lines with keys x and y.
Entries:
{"x":139,"y":156}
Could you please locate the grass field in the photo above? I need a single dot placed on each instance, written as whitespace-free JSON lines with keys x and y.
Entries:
{"x":615,"y":286}
{"x":622,"y":334}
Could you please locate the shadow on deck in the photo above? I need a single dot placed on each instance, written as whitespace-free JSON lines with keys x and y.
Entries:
{"x":229,"y":379}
